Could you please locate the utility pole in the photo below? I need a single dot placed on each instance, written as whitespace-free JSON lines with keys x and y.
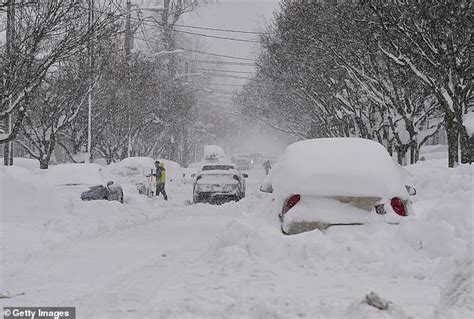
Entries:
{"x":10,"y":40}
{"x":91,"y":80}
{"x":128,"y":53}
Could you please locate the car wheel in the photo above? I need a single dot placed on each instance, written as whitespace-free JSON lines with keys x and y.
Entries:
{"x":283,"y":230}
{"x":121,"y":198}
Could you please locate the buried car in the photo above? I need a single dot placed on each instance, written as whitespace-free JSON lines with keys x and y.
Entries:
{"x":100,"y":192}
{"x":218,"y":183}
{"x":137,"y":171}
{"x":321,"y":183}
{"x":86,"y":179}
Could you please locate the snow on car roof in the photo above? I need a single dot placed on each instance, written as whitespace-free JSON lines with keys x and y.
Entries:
{"x":138,"y":162}
{"x":214,"y":167}
{"x":337,"y":166}
{"x":220,"y":172}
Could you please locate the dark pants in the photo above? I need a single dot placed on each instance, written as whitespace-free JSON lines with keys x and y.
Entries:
{"x":160,"y":189}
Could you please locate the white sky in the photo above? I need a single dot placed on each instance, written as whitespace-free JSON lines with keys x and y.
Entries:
{"x":249,"y":15}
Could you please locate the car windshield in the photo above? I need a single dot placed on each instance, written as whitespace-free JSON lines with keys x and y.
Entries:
{"x":217,"y":167}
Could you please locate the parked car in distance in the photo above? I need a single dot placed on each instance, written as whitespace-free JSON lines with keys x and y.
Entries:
{"x":219,"y":183}
{"x":213,"y":154}
{"x":321,"y":183}
{"x":243,"y":164}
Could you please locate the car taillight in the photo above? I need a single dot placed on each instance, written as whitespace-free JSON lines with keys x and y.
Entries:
{"x":398,"y":206}
{"x":236,"y":177}
{"x":290,"y":202}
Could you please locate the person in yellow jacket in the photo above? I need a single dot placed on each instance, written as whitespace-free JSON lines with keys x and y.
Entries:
{"x":160,"y":174}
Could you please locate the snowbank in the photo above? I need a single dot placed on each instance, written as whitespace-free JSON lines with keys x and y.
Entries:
{"x":428,"y":152}
{"x":406,"y":263}
{"x":232,"y":260}
{"x":74,"y":174}
{"x":457,"y":297}
{"x":39,"y":210}
{"x":29,"y":163}
{"x":342,"y":166}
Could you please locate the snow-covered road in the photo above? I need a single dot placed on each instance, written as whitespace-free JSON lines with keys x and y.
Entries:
{"x":156,"y":259}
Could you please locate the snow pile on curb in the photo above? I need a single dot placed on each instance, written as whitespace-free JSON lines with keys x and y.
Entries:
{"x":422,"y":248}
{"x":375,"y":307}
{"x":37,"y":214}
{"x":457,"y":297}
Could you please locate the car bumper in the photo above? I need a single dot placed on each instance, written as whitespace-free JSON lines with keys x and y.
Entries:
{"x":213,"y":197}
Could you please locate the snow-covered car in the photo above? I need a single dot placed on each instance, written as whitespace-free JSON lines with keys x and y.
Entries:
{"x":218,"y":183}
{"x":134,"y":171}
{"x":137,"y":170}
{"x":191,"y":172}
{"x":100,"y":192}
{"x":321,"y":183}
{"x":86,"y":179}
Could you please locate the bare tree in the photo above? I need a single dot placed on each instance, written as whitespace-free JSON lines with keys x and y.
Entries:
{"x":433,"y":42}
{"x":46,"y":32}
{"x":51,"y":107}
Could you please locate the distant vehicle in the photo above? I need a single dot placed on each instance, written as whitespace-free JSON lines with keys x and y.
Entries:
{"x":219,"y":183}
{"x":100,"y":192}
{"x":243,"y":164}
{"x":322,"y":183}
{"x":249,"y":158}
{"x":213,"y":154}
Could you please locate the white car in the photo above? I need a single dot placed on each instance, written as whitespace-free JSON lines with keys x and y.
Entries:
{"x":218,"y":183}
{"x":321,"y":183}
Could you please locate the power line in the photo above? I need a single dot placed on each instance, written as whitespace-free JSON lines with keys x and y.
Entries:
{"x":224,"y":71}
{"x":219,"y":30}
{"x":228,"y":76}
{"x":216,"y":36}
{"x":221,"y":84}
{"x":186,"y":32}
{"x":222,"y":62}
{"x":207,"y":89}
{"x":219,"y":55}
{"x":197,"y":51}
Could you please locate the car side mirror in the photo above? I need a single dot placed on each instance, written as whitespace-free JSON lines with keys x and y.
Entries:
{"x":110,"y":183}
{"x":411,"y":190}
{"x":245,"y":175}
{"x":193,"y":175}
{"x":267,"y":189}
